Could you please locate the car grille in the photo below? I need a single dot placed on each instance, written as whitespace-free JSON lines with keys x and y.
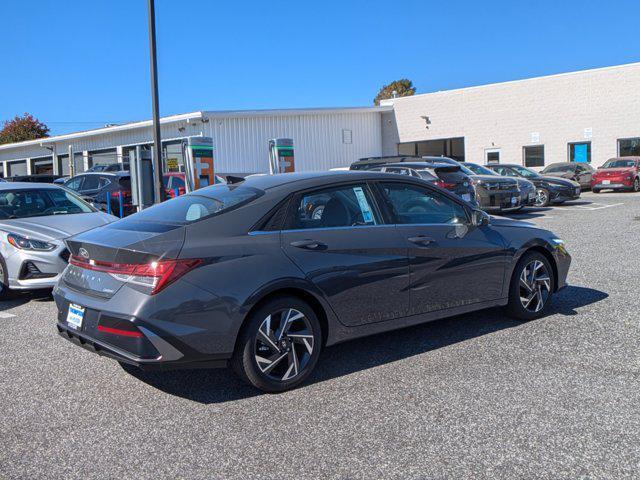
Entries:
{"x":498,"y":186}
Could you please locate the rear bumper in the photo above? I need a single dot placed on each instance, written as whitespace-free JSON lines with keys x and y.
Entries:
{"x":501,"y":201}
{"x":115,"y":353}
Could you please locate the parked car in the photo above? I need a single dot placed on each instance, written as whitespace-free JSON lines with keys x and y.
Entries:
{"x":526,"y":188}
{"x":242,"y":275}
{"x":105,"y":190}
{"x":578,"y":172}
{"x":36,"y":178}
{"x":549,"y":190}
{"x":110,"y":167}
{"x":174,"y":184}
{"x":449,"y":177}
{"x":621,"y":173}
{"x":35,"y":219}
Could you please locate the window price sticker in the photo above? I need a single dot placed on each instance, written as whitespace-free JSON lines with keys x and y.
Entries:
{"x":367,"y":214}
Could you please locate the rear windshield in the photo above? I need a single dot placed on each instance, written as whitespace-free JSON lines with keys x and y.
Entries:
{"x":479,"y":169}
{"x":559,"y":168}
{"x":189,"y":208}
{"x":451,"y":177}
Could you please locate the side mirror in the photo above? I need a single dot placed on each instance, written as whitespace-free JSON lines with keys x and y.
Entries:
{"x":479,"y":218}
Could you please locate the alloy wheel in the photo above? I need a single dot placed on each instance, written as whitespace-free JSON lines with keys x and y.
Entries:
{"x":542,"y":198}
{"x":284,"y":344}
{"x":535,"y":286}
{"x":636,"y":185}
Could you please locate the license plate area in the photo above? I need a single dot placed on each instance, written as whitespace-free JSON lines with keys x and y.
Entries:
{"x":606,"y":182}
{"x":75,"y":316}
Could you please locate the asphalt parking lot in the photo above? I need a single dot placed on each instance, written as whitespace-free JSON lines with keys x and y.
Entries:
{"x":475,"y":396}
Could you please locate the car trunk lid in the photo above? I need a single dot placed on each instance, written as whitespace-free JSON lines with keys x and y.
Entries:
{"x":137,"y":244}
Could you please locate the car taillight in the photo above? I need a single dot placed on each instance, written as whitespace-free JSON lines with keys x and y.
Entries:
{"x":125,"y":193}
{"x":155,"y":275}
{"x":447,"y":185}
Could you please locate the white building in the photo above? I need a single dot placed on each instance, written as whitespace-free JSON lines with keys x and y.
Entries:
{"x":590,"y":115}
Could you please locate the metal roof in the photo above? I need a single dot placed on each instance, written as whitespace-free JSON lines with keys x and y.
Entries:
{"x":198,"y":115}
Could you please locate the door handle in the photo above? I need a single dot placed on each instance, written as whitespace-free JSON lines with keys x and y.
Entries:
{"x":421,"y":240}
{"x":309,"y":244}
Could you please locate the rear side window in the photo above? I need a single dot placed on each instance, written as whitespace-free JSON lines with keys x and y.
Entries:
{"x":91,"y":182}
{"x":125,"y":183}
{"x":412,"y":204}
{"x":334,"y":207}
{"x":184,"y":209}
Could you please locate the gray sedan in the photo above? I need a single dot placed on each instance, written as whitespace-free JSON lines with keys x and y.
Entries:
{"x":34,"y":221}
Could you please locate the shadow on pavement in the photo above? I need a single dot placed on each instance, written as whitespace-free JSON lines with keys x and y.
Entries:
{"x":218,"y":386}
{"x":16,"y":298}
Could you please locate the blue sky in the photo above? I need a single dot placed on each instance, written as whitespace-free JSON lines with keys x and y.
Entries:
{"x":79,"y":64}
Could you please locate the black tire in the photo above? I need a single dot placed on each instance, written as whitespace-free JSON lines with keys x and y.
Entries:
{"x":595,"y":190}
{"x":251,"y":341}
{"x":636,"y":185}
{"x":543,"y":197}
{"x":5,"y":293}
{"x":516,"y":307}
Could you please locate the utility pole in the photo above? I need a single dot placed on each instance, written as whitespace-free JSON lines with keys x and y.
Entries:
{"x":158,"y":189}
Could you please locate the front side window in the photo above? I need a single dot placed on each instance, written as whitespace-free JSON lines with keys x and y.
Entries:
{"x":412,"y":204}
{"x":74,"y":183}
{"x":533,"y":156}
{"x":334,"y":207}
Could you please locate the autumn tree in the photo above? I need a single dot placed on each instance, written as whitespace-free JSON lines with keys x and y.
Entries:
{"x":402,"y":88}
{"x":21,"y":128}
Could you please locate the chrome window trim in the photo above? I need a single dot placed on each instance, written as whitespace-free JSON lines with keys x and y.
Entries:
{"x":319,"y":229}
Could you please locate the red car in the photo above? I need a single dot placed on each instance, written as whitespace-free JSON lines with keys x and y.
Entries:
{"x":174,"y":184}
{"x":621,"y":173}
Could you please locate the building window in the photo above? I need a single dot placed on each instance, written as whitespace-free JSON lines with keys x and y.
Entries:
{"x":628,"y":147}
{"x":533,"y":156}
{"x":580,"y":152}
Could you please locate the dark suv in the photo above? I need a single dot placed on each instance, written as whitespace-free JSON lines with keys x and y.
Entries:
{"x":110,"y":192}
{"x":449,"y":177}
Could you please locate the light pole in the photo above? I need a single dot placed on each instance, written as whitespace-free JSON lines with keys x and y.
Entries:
{"x":158,"y":191}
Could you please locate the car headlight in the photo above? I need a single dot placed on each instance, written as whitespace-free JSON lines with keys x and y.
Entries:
{"x":24,"y":243}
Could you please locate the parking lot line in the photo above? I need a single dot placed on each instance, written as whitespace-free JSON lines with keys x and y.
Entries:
{"x":6,"y":315}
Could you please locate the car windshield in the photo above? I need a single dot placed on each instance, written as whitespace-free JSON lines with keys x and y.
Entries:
{"x":559,"y":168}
{"x":526,"y":172}
{"x":467,"y":170}
{"x":206,"y":202}
{"x":618,"y":163}
{"x":42,"y":202}
{"x":479,"y":169}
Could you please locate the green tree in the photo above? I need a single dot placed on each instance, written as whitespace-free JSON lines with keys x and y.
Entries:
{"x":402,"y":87}
{"x":22,"y":128}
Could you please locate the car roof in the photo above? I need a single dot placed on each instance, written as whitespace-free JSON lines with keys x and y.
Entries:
{"x":308,"y":179}
{"x":102,"y":174}
{"x":415,"y":165}
{"x":630,"y":157}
